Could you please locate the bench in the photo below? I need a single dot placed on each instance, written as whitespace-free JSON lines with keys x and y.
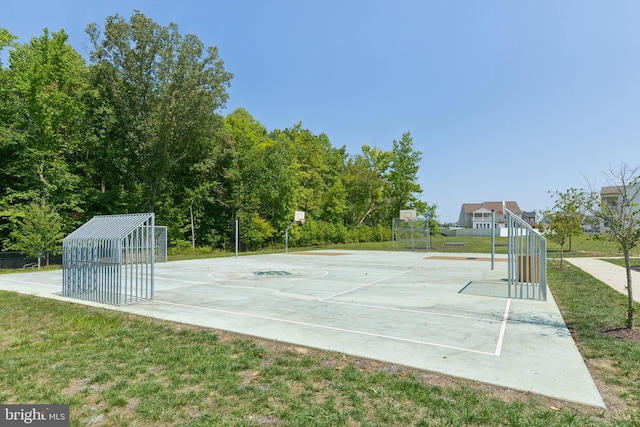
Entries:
{"x":445,"y":244}
{"x":30,"y":265}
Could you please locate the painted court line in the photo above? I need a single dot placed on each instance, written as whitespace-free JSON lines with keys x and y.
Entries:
{"x":363,"y":286}
{"x":503,"y":328}
{"x":332,"y":328}
{"x":406,"y":310}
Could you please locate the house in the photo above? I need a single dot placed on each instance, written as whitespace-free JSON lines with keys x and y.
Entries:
{"x":478,"y":215}
{"x":613,"y":197}
{"x":530,"y":218}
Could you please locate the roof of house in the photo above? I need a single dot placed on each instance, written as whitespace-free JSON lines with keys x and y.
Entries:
{"x":469,"y":208}
{"x":614,"y":189}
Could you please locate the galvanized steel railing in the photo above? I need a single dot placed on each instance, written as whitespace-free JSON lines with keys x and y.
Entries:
{"x":527,"y":260}
{"x":161,"y":243}
{"x":110,"y":259}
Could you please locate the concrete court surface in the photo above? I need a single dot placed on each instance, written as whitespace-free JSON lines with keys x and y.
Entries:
{"x":441,"y":312}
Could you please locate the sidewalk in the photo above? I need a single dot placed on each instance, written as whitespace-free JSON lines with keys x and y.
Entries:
{"x":611,"y":274}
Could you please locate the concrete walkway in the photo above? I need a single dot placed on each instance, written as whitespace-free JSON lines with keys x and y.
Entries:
{"x":608,"y":273}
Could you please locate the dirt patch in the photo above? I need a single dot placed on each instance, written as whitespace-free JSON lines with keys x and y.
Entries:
{"x":623,"y":334}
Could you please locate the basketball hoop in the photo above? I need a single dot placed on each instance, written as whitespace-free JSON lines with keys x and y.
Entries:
{"x":408,"y":214}
{"x":298,"y":216}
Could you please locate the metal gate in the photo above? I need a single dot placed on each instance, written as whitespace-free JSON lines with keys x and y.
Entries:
{"x":527,"y":259}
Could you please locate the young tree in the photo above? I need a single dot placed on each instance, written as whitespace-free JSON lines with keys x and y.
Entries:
{"x":565,"y":220}
{"x":38,"y":232}
{"x":560,"y":227}
{"x":620,"y":215}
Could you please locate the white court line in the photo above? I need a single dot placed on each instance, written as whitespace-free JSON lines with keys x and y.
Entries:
{"x":362,"y":286}
{"x":432,"y":313}
{"x":332,"y":328}
{"x":503,"y":328}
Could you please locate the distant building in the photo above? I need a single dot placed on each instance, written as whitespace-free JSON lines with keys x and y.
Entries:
{"x":530,"y":218}
{"x":478,"y":215}
{"x":612,"y":196}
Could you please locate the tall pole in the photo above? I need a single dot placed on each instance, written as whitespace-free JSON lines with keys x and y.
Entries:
{"x":237,"y":242}
{"x":428,"y":232}
{"x":286,"y":238}
{"x":493,"y":238}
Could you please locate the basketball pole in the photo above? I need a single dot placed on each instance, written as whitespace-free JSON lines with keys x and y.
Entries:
{"x":297,"y":217}
{"x":286,"y":238}
{"x":237,"y":237}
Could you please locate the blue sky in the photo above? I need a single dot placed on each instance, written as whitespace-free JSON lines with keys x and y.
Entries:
{"x":506,"y":100}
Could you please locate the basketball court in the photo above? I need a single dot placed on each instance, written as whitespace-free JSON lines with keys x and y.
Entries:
{"x":440,"y":312}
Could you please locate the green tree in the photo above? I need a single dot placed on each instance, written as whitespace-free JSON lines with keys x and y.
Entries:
{"x":245,"y":134}
{"x":254,"y":230}
{"x":565,"y":220}
{"x":6,"y":40}
{"x":334,"y":203}
{"x":9,"y":136}
{"x":364,"y":184}
{"x":318,"y":166}
{"x":44,"y":123}
{"x":559,"y":228}
{"x":430,"y":212}
{"x":620,"y":217}
{"x":402,"y":178}
{"x":38,"y":231}
{"x":160,"y":91}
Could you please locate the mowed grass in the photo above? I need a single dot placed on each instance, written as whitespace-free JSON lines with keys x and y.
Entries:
{"x":115,"y":369}
{"x":620,"y":261}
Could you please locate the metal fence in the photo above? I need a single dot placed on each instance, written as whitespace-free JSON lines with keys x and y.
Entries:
{"x":410,"y":234}
{"x":160,"y":235}
{"x":15,"y":259}
{"x":527,"y":260}
{"x":110,"y":259}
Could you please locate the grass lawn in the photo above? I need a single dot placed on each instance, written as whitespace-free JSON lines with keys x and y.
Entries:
{"x":620,"y":261}
{"x":116,"y":369}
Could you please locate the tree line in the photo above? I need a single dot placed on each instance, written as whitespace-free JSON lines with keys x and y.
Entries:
{"x":138,"y":128}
